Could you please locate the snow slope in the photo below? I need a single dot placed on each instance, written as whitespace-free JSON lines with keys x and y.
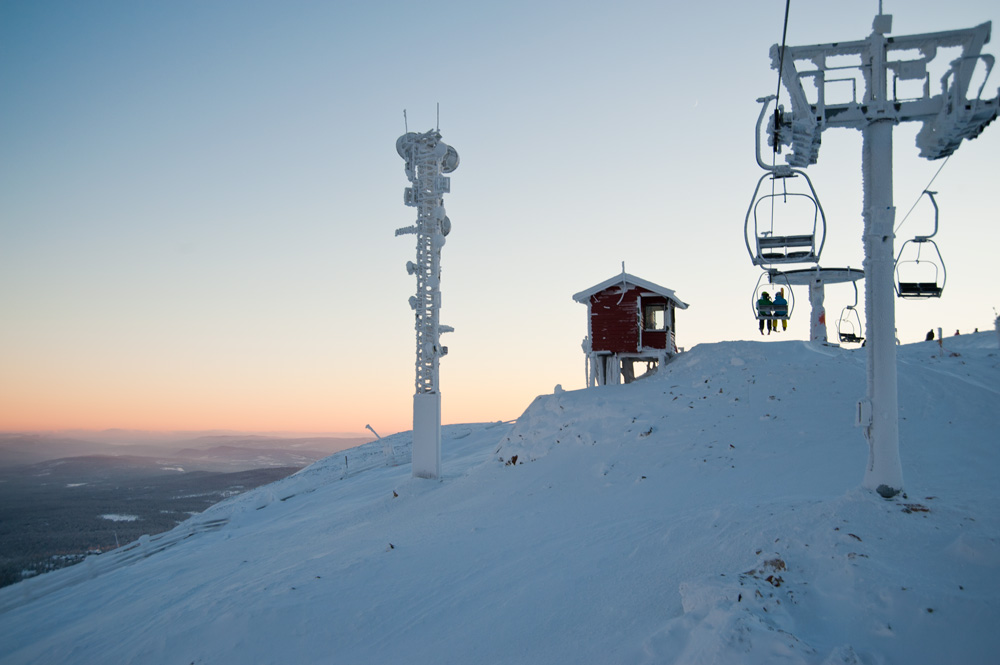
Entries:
{"x":709,"y":514}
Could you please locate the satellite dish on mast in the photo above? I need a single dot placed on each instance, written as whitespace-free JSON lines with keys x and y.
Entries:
{"x":450,"y":161}
{"x":403,"y":144}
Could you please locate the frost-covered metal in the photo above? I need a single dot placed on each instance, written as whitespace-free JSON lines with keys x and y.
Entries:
{"x":798,"y":233}
{"x":872,"y":85}
{"x":427,"y":159}
{"x":896,"y":85}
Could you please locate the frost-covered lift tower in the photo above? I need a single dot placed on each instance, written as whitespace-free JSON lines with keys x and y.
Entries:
{"x":427,"y":157}
{"x":948,"y":117}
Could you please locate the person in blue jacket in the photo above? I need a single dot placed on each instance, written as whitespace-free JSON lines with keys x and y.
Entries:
{"x":781,"y":309}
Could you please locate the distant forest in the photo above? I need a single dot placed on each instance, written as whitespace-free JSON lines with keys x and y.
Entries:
{"x":53,"y":518}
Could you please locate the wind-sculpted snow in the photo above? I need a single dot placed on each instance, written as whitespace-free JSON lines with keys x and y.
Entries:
{"x":711,"y":513}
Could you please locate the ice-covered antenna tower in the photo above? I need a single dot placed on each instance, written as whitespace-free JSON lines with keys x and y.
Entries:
{"x":896,"y":87}
{"x":427,"y":158}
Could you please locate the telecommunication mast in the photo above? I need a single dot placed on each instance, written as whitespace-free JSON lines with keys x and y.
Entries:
{"x":427,"y":158}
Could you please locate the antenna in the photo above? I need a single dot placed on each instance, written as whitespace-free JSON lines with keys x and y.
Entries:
{"x":438,"y":117}
{"x":406,"y":127}
{"x":624,"y":285}
{"x":427,"y":158}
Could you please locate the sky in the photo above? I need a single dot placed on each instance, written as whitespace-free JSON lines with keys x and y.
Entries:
{"x":198,"y":200}
{"x":710,"y":514}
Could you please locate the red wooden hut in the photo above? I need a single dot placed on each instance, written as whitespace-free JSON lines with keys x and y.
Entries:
{"x":628,"y":320}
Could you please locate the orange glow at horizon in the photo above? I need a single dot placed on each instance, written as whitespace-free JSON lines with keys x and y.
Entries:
{"x":214,"y":404}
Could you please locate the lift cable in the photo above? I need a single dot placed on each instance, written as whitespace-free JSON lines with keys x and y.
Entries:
{"x":777,"y":92}
{"x":781,"y":56}
{"x":777,"y":96}
{"x":921,"y":194}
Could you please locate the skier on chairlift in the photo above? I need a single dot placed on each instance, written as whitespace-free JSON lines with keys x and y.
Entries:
{"x":765,"y":308}
{"x":781,"y":309}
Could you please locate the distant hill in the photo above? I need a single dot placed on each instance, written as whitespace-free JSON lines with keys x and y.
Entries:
{"x":230,"y":457}
{"x":257,"y":451}
{"x":17,"y":449}
{"x":53,"y":513}
{"x":51,"y":508}
{"x":87,"y":468}
{"x":323,"y":444}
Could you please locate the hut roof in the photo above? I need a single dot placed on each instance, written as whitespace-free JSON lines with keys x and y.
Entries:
{"x":625,"y":278}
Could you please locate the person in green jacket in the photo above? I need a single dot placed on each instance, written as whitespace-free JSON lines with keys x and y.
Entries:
{"x":765,"y":308}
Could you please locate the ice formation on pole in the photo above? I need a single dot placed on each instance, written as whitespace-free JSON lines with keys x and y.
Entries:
{"x":427,"y":158}
{"x":957,"y":112}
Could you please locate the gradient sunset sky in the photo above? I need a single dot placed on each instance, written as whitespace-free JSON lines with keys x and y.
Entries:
{"x":198,"y":199}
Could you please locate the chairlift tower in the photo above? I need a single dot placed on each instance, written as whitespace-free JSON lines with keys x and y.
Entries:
{"x":427,"y":158}
{"x":947,"y":117}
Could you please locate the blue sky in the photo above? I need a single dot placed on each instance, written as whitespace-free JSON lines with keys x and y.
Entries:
{"x":197,"y":200}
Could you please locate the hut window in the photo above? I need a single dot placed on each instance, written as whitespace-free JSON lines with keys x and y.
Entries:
{"x":654,"y":317}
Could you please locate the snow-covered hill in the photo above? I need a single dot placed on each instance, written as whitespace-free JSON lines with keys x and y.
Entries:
{"x":710,"y":514}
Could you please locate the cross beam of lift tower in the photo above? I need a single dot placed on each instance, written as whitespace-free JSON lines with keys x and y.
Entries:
{"x":948,"y":117}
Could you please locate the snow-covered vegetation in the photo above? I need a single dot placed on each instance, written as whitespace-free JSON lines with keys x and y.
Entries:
{"x":709,"y":514}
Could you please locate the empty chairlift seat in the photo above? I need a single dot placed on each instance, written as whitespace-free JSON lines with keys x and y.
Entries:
{"x":919,"y":290}
{"x":784,"y":226}
{"x":787,"y":249}
{"x":920,"y":270}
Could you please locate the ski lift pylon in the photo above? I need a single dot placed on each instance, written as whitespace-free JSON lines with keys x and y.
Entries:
{"x":913,"y":280}
{"x":798,"y":240}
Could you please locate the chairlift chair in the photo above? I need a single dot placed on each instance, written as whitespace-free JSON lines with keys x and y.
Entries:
{"x":849,"y":326}
{"x":920,"y":271}
{"x":909,"y":284}
{"x":775,"y":281}
{"x":791,"y":237}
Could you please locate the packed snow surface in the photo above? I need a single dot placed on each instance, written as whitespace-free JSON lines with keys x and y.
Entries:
{"x":709,"y":514}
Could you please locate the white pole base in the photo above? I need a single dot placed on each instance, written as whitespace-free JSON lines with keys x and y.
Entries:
{"x":426,"y":452}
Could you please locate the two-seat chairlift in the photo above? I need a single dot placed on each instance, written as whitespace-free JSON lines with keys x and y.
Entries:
{"x":776,"y":281}
{"x":849,"y":326}
{"x":782,"y":226}
{"x":920,"y":271}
